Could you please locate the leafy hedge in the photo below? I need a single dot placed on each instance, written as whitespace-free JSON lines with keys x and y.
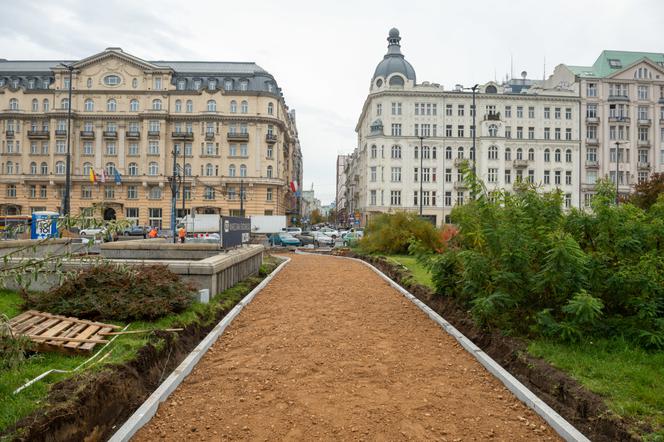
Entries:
{"x":116,"y":293}
{"x":393,"y":233}
{"x":520,"y":263}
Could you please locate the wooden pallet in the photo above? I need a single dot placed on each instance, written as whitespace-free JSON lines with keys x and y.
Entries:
{"x":60,"y":333}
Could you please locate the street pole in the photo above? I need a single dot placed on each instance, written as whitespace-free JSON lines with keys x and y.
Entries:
{"x":241,"y":197}
{"x":66,"y":209}
{"x":421,"y":163}
{"x":174,"y":194}
{"x":617,"y":170}
{"x":474,"y":151}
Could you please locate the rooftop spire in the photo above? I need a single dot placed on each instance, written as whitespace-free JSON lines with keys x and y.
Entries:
{"x":394,"y":47}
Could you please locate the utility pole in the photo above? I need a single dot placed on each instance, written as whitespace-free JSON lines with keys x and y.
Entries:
{"x":174,"y":193}
{"x":66,"y":206}
{"x":241,"y":197}
{"x":474,"y":151}
{"x":421,"y":163}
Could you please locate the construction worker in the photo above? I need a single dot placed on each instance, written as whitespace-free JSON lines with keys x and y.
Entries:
{"x":182,"y":233}
{"x":153,"y":233}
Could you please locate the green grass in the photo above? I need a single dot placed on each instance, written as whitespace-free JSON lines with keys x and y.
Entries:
{"x":122,"y":350}
{"x":420,"y":274}
{"x":629,"y":378}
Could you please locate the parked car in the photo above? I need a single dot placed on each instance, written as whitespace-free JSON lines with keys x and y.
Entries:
{"x":321,"y":239}
{"x":294,"y":231}
{"x":306,"y":237}
{"x":92,"y":231}
{"x":284,"y":239}
{"x":329,"y":232}
{"x":351,"y":238}
{"x":134,"y":231}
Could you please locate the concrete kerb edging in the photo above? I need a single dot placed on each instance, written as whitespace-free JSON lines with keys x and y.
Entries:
{"x":146,"y":411}
{"x":566,"y":430}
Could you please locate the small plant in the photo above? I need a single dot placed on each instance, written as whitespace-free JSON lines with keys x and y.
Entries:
{"x":392,"y":234}
{"x":13,"y":348}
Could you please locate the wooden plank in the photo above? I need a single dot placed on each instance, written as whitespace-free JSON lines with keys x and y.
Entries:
{"x":26,"y":325}
{"x":75,"y":330}
{"x":89,"y":331}
{"x":78,"y":321}
{"x":53,"y":331}
{"x":57,"y":338}
{"x":130,"y":332}
{"x":19,"y":318}
{"x":41,"y":327}
{"x":88,"y":346}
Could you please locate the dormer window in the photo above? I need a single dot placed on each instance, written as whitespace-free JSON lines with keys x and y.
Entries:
{"x":270,"y":87}
{"x":157,"y":83}
{"x":228,"y":85}
{"x":182,"y":84}
{"x":614,"y":63}
{"x":396,"y":80}
{"x":110,"y":80}
{"x":244,"y":85}
{"x":31,"y":84}
{"x":212,"y":85}
{"x":379,"y":83}
{"x":15,"y":83}
{"x":197,"y":84}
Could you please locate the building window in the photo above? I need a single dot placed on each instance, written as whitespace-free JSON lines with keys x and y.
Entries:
{"x":153,"y":147}
{"x":531,"y":154}
{"x":59,"y":168}
{"x":212,"y":106}
{"x":519,"y":154}
{"x":270,"y":108}
{"x":110,"y":148}
{"x":132,"y":170}
{"x":89,"y":105}
{"x":244,"y":107}
{"x":591,"y":89}
{"x":43,"y":168}
{"x":396,"y":130}
{"x":591,"y":154}
{"x":133,"y":105}
{"x":547,"y":177}
{"x":396,"y":108}
{"x":153,"y":168}
{"x":493,"y":152}
{"x":492,"y":175}
{"x":109,"y":80}
{"x":557,"y":158}
{"x":568,"y":113}
{"x":208,"y":193}
{"x":557,"y":178}
{"x":190,"y":106}
{"x":269,"y":171}
{"x":568,"y":155}
{"x":395,"y":197}
{"x":396,"y":152}
{"x":268,"y":196}
{"x":568,"y":177}
{"x":396,"y":174}
{"x":642,"y":92}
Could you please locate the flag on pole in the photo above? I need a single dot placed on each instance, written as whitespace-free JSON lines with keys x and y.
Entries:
{"x":93,"y":177}
{"x":118,"y":177}
{"x":293,"y":186}
{"x":103,"y":176}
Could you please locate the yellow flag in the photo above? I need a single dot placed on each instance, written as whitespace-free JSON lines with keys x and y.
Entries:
{"x":92,"y":175}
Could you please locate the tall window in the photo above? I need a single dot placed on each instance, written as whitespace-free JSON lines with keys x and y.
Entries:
{"x":156,"y":104}
{"x":508,"y":154}
{"x":269,"y":171}
{"x":35,"y":105}
{"x":233,"y":106}
{"x":231,"y":170}
{"x":244,"y":107}
{"x":212,"y":106}
{"x":45,"y":105}
{"x":60,"y":168}
{"x":132,"y":169}
{"x":111,"y":105}
{"x":243,"y":170}
{"x":178,"y":105}
{"x":133,"y":105}
{"x":89,"y":105}
{"x":190,"y":106}
{"x":153,"y":168}
{"x":493,"y":153}
{"x":13,"y":104}
{"x":396,"y":152}
{"x":270,"y":108}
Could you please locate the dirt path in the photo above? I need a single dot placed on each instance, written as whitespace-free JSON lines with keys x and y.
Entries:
{"x":329,"y":351}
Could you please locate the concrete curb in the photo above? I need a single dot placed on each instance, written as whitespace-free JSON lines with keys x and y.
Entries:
{"x":566,"y":430}
{"x":146,"y":411}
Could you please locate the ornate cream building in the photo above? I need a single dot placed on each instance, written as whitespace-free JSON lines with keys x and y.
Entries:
{"x":525,"y":132}
{"x":226,"y":122}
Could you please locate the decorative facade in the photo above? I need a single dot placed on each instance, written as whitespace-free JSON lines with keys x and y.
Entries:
{"x":226,"y":125}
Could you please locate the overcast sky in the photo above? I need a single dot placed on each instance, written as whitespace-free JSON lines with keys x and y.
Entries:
{"x":323,"y":53}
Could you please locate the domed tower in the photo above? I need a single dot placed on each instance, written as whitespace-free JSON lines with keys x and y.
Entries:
{"x":393,"y":70}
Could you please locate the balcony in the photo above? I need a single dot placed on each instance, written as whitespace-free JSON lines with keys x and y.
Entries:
{"x":88,"y":134}
{"x":492,"y":116}
{"x":271,"y":138}
{"x":643,"y":165}
{"x":209,"y":136}
{"x":520,"y":164}
{"x":459,"y":161}
{"x":618,"y":98}
{"x":183,"y":136}
{"x":60,"y":133}
{"x":153,"y":133}
{"x":9,"y":134}
{"x":619,"y":119}
{"x":460,"y":185}
{"x":592,"y":141}
{"x":132,"y":134}
{"x":237,"y":136}
{"x":592,"y":120}
{"x":39,"y":134}
{"x":110,"y":135}
{"x":590,"y":164}
{"x":644,"y":121}
{"x":643,"y":143}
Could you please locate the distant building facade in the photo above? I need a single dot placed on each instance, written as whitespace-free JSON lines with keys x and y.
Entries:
{"x":227,"y":124}
{"x":340,"y":197}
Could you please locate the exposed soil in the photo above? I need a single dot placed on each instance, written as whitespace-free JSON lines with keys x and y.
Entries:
{"x":582,"y":408}
{"x":330,"y":351}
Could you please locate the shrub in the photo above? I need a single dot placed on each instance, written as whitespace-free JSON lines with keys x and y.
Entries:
{"x":393,"y":233}
{"x":113,"y":292}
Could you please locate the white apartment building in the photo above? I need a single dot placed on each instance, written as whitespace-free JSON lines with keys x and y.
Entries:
{"x":414,"y":137}
{"x":622,"y":110}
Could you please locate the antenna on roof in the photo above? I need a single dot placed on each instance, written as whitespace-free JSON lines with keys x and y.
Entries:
{"x":511,"y":66}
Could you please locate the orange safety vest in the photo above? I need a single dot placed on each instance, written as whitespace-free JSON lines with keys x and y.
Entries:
{"x":153,"y":233}
{"x":182,"y":233}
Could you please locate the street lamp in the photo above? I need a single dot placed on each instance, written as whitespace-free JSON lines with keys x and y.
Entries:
{"x":421,"y":158}
{"x":66,"y":208}
{"x":473,"y":151}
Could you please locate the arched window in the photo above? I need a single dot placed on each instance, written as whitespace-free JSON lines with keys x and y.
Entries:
{"x":426,"y":152}
{"x":519,"y":154}
{"x":491,"y":89}
{"x":134,"y":83}
{"x":45,"y":105}
{"x":111,"y":105}
{"x":133,"y":105}
{"x":190,"y":106}
{"x":433,"y":152}
{"x":13,"y":105}
{"x":493,"y":153}
{"x":531,"y":154}
{"x":89,"y":105}
{"x":110,"y":170}
{"x":416,"y":152}
{"x":60,"y":168}
{"x":64,"y":103}
{"x":209,"y":169}
{"x":87,"y":168}
{"x":233,"y":106}
{"x":187,"y":169}
{"x":10,"y":168}
{"x":33,"y":168}
{"x":557,"y":155}
{"x":396,"y":151}
{"x":35,"y":105}
{"x":493,"y":130}
{"x":472,"y":153}
{"x":244,"y":107}
{"x":212,"y":106}
{"x":374,"y":151}
{"x":270,"y":108}
{"x":568,"y":155}
{"x":156,"y":104}
{"x":460,"y":152}
{"x":132,"y":170}
{"x":43,"y":168}
{"x":178,"y":105}
{"x":231,"y":170}
{"x":396,"y":80}
{"x":547,"y":155}
{"x":89,"y":83}
{"x":448,"y":153}
{"x":269,"y":171}
{"x":243,"y":170}
{"x":153,"y":168}
{"x":508,"y":154}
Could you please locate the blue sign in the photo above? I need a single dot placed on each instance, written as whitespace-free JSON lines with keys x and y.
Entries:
{"x":44,"y":225}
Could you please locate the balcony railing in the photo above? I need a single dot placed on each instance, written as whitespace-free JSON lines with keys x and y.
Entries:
{"x":619,"y":119}
{"x":110,"y":135}
{"x":643,"y":165}
{"x":271,"y":138}
{"x":592,"y":141}
{"x":133,"y":134}
{"x":618,"y":97}
{"x":237,"y":136}
{"x":592,"y":120}
{"x":153,"y":133}
{"x":184,"y":136}
{"x":643,"y":143}
{"x":592,"y":164}
{"x":88,"y":134}
{"x":9,"y":134}
{"x":209,"y":136}
{"x":492,"y":116}
{"x":644,"y":121}
{"x":60,"y":132}
{"x":39,"y":134}
{"x":520,"y":164}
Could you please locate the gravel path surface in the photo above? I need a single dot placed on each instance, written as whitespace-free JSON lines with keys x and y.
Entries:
{"x":329,"y":351}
